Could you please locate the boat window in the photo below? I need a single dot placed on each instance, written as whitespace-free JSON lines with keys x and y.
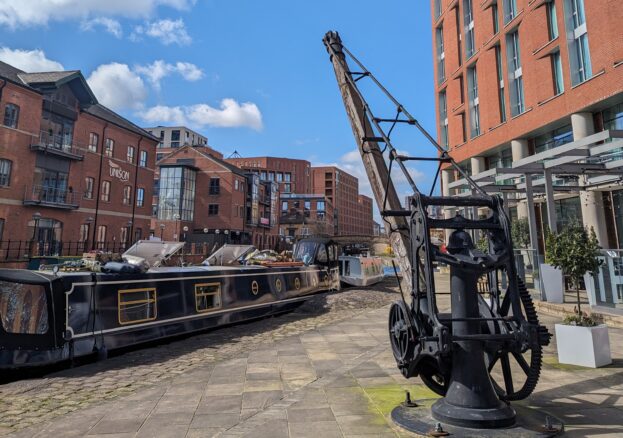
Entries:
{"x":137,"y":305}
{"x":347,"y":267}
{"x":207,"y":297}
{"x":331,"y":250}
{"x":305,"y":251}
{"x":23,"y":308}
{"x":322,"y":254}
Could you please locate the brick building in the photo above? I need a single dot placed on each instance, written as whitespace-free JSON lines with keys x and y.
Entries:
{"x":291,"y":176}
{"x":73,"y":174}
{"x":305,"y":215}
{"x":202,"y":198}
{"x":352,"y":211}
{"x":174,"y":137}
{"x":518,"y":78}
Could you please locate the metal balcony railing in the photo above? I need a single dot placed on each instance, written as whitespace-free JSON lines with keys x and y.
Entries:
{"x":58,"y":145}
{"x":51,"y":197}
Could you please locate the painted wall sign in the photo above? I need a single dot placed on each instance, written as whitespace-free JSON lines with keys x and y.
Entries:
{"x":117,"y":172}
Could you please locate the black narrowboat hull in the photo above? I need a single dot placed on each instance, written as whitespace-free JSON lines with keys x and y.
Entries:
{"x":47,"y":319}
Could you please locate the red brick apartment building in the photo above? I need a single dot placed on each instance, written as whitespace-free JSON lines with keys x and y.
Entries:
{"x":352,"y":211}
{"x":304,"y":215}
{"x":291,"y":176}
{"x":204,"y":199}
{"x":73,"y":174}
{"x":515,"y":78}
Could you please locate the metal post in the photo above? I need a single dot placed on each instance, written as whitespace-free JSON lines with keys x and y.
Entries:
{"x":534,"y":239}
{"x":549,"y":201}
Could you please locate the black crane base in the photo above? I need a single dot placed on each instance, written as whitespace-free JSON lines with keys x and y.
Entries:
{"x":530,"y":423}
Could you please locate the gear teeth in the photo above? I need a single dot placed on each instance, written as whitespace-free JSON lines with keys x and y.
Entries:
{"x":544,"y":336}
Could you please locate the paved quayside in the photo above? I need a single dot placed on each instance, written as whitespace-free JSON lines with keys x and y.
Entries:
{"x":323,"y":371}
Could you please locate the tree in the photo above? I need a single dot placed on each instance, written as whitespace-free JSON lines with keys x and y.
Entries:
{"x":575,"y":250}
{"x":520,"y":232}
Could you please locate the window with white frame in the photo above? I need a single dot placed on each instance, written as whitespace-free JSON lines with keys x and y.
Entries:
{"x":468,"y":23}
{"x":577,"y":40}
{"x":515,"y":73}
{"x":5,"y":172}
{"x":474,"y":104}
{"x":140,"y":197}
{"x":510,"y":10}
{"x":109,"y":147}
{"x":441,"y":55}
{"x":93,"y":141}
{"x":143,"y":159}
{"x":130,"y":154}
{"x":443,"y":120}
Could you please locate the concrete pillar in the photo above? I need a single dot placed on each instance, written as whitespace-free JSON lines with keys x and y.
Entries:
{"x":478,"y":165}
{"x":446,"y":178}
{"x":519,"y":149}
{"x":593,"y":213}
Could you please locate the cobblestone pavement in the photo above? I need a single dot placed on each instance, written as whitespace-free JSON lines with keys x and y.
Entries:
{"x":27,"y":402}
{"x":326,"y":371}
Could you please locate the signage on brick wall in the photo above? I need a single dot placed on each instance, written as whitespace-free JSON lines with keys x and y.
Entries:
{"x":117,"y":172}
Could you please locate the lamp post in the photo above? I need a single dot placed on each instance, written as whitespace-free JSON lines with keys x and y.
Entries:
{"x":35,"y":217}
{"x":177,"y":222}
{"x":161,"y":230}
{"x":128,"y":238}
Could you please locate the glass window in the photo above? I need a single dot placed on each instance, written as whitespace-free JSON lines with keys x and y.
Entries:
{"x":500,"y":77}
{"x":23,"y":308}
{"x":263,"y":175}
{"x":443,"y":120}
{"x":109,"y":147}
{"x":495,"y":17}
{"x":175,"y":138}
{"x":93,"y":141}
{"x":130,"y":155}
{"x":284,"y":206}
{"x":613,"y":120}
{"x":1,"y":228}
{"x":213,"y":210}
{"x":105,"y":191}
{"x":11,"y":115}
{"x":137,"y":305}
{"x":552,"y":21}
{"x":515,"y":73}
{"x":177,"y":193}
{"x":307,"y":208}
{"x":5,"y":172}
{"x":468,"y":22}
{"x":236,"y":185}
{"x":123,"y":235}
{"x":559,"y":85}
{"x":140,"y":197}
{"x":159,"y":156}
{"x":441,"y":55}
{"x":279,"y":177}
{"x":510,"y":10}
{"x":127,"y":194}
{"x":437,"y":8}
{"x":84,"y":232}
{"x":101,"y":234}
{"x":288,"y":177}
{"x":322,"y":256}
{"x":271,"y":176}
{"x":474,"y":106}
{"x":287,"y":188}
{"x":215,"y":186}
{"x":579,"y":51}
{"x":143,"y":159}
{"x":207,"y":297}
{"x":553,"y":139}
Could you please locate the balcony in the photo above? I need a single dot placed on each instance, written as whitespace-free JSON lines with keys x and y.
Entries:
{"x":57,"y":145}
{"x":51,"y":197}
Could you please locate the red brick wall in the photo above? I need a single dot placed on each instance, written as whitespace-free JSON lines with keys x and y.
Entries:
{"x":605,"y":33}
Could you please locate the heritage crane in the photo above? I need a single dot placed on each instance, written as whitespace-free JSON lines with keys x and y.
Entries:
{"x":457,"y":355}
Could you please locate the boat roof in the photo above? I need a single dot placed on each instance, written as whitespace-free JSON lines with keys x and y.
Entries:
{"x":228,"y":254}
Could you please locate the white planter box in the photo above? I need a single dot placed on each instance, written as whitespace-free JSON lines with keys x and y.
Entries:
{"x":553,"y":283}
{"x":584,"y":346}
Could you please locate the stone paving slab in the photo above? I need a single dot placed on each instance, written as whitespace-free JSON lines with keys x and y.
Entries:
{"x":324,"y":392}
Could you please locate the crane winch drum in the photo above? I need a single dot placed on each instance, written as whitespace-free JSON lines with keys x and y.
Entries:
{"x":454,"y":354}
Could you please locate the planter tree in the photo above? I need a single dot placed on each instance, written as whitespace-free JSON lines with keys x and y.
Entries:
{"x":575,"y":250}
{"x":520,"y":232}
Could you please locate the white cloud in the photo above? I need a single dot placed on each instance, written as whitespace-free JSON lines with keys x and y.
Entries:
{"x":160,"y":69}
{"x":166,"y":30}
{"x":14,"y":14}
{"x":29,"y":60}
{"x":118,"y":87}
{"x":230,"y":114}
{"x":110,"y":25}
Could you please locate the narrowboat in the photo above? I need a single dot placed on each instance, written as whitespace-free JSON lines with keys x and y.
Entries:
{"x":49,"y":316}
{"x":360,"y":270}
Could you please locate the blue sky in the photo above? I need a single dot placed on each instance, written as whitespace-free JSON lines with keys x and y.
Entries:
{"x":168,"y":61}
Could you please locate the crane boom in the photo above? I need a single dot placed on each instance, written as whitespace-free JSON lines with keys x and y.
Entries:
{"x":378,"y":173}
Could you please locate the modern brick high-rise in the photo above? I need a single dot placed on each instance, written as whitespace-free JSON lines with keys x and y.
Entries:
{"x":353,"y":212}
{"x":518,"y":78}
